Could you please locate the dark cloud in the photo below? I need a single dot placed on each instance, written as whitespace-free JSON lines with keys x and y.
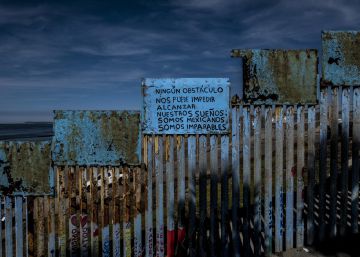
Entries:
{"x":92,"y":54}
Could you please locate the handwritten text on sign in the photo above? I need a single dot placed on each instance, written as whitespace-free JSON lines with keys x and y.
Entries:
{"x":186,"y":106}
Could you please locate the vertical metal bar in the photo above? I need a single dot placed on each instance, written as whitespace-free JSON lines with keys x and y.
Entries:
{"x":268,"y":203}
{"x":214,"y":236}
{"x":40,"y":227}
{"x":27,"y":234}
{"x":8,"y":227}
{"x":51,"y":228}
{"x":74,"y":232}
{"x":51,"y":247}
{"x":45,"y":217}
{"x":300,"y":163}
{"x":77,"y":195}
{"x":105,"y":231}
{"x":202,"y":195}
{"x":127,"y":206}
{"x":322,"y":162}
{"x":19,"y":226}
{"x":116,"y":247}
{"x":279,"y":201}
{"x":235,"y":158}
{"x":1,"y":230}
{"x":181,"y":233}
{"x":62,"y":212}
{"x":31,"y":240}
{"x":257,"y":180}
{"x":111,"y":203}
{"x":94,"y":213}
{"x":334,"y":120}
{"x":149,"y":242}
{"x":137,"y":213}
{"x":311,"y":175}
{"x":224,"y":195}
{"x":345,"y":111}
{"x":159,"y":170}
{"x":247,"y":178}
{"x":355,"y":161}
{"x":290,"y":174}
{"x":170,"y":200}
{"x":192,"y":195}
{"x":84,"y":218}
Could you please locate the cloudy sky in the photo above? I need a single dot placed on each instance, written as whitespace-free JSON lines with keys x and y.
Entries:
{"x":92,"y":54}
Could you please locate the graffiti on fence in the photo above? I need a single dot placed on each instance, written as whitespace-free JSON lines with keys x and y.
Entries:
{"x":74,"y":235}
{"x":84,"y":234}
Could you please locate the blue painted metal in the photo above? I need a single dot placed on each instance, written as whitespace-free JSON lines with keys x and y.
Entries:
{"x":19,"y":232}
{"x":279,"y":76}
{"x":149,"y":238}
{"x":246,"y":167}
{"x":225,"y":166}
{"x":310,"y":223}
{"x":344,"y":176}
{"x":355,"y":162}
{"x":186,"y":106}
{"x":279,"y":179}
{"x":258,"y":178}
{"x":192,"y":169}
{"x":159,"y":191}
{"x":268,"y":179}
{"x":341,"y":58}
{"x":9,"y":247}
{"x":300,"y":167}
{"x":289,"y":176}
{"x":26,"y":168}
{"x":235,"y":173}
{"x":96,"y":137}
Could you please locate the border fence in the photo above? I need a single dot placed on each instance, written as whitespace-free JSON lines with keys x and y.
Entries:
{"x":286,"y":175}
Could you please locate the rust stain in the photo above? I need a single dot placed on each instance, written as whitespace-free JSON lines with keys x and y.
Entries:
{"x":279,"y":76}
{"x":293,"y":171}
{"x":156,"y":145}
{"x":341,"y":58}
{"x":167,"y":148}
{"x":26,"y":166}
{"x":97,"y":138}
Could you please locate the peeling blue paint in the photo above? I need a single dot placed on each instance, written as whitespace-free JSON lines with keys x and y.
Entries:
{"x":96,"y":138}
{"x":341,"y":58}
{"x":279,"y":76}
{"x":25,"y":168}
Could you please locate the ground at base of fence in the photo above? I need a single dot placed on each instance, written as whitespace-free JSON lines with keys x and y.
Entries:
{"x":338,"y":247}
{"x":309,"y":252}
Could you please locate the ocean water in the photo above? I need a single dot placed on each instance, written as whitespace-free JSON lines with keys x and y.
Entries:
{"x":26,"y":131}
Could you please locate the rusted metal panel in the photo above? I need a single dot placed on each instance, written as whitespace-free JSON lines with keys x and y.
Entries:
{"x":279,"y":76}
{"x":96,"y":137}
{"x":25,"y":168}
{"x":341,"y":58}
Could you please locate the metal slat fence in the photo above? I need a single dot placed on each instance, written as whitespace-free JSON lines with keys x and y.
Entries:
{"x":285,"y":176}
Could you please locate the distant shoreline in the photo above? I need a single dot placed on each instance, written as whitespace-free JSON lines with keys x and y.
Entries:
{"x":27,"y":131}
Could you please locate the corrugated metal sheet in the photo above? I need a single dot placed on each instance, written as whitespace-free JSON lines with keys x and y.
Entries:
{"x":279,"y":76}
{"x":341,"y":58}
{"x":96,"y":137}
{"x":25,"y":168}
